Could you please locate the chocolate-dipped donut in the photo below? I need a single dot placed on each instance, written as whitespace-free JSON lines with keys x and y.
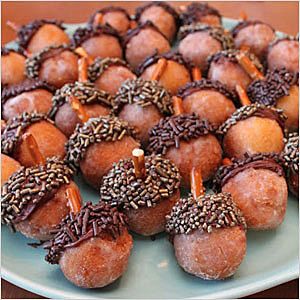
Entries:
{"x":97,"y":144}
{"x":142,"y":104}
{"x":28,"y":96}
{"x":253,"y":128}
{"x":95,"y":103}
{"x":57,"y":65}
{"x":199,"y":41}
{"x":39,"y":198}
{"x":49,"y":139}
{"x":108,"y":73}
{"x":146,"y":201}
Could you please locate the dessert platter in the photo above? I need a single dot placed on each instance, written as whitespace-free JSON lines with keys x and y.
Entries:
{"x":153,"y":155}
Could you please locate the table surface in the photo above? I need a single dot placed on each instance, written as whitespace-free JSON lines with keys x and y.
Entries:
{"x":283,"y":16}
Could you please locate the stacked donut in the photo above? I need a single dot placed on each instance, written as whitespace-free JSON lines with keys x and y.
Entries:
{"x":144,"y":107}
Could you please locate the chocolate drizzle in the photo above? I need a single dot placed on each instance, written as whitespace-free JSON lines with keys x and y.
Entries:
{"x":108,"y":9}
{"x":276,"y":84}
{"x":98,"y":67}
{"x":171,"y":130}
{"x":15,"y":128}
{"x":26,"y":86}
{"x":83,"y":34}
{"x":99,"y":220}
{"x":28,"y":31}
{"x":241,"y":25}
{"x":167,"y":7}
{"x":206,"y":213}
{"x":85,"y":92}
{"x":290,"y":153}
{"x":143,"y":93}
{"x":253,"y":110}
{"x":95,"y":130}
{"x":196,"y":10}
{"x":5,"y":51}
{"x":161,"y":181}
{"x":216,"y":32}
{"x":207,"y":84}
{"x":28,"y":188}
{"x":34,"y":62}
{"x":174,"y":56}
{"x":268,"y":161}
{"x":133,"y":32}
{"x":230,"y":55}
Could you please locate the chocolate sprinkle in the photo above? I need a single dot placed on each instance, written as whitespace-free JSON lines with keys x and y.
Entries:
{"x":133,"y":32}
{"x":290,"y":153}
{"x":97,"y":68}
{"x":241,"y":25}
{"x":26,"y":86}
{"x":97,"y":220}
{"x":33,"y":63}
{"x":28,"y":31}
{"x":121,"y":188}
{"x":257,"y":110}
{"x":196,"y":10}
{"x":143,"y":93}
{"x":85,"y":92}
{"x":207,"y":84}
{"x":83,"y":34}
{"x":205,"y":213}
{"x":28,"y":188}
{"x":230,"y":55}
{"x":95,"y":130}
{"x":108,"y":9}
{"x":15,"y":127}
{"x":268,"y":161}
{"x":174,"y":56}
{"x":216,"y":32}
{"x":276,"y":84}
{"x":169,"y":131}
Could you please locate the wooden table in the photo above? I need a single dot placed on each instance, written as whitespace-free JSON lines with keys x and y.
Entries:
{"x":281,"y":15}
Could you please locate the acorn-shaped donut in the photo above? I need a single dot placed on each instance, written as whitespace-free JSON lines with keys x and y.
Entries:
{"x":142,"y":104}
{"x":50,"y":140}
{"x":258,"y":187}
{"x":115,"y":16}
{"x":28,"y":96}
{"x":187,"y":141}
{"x":8,"y":167}
{"x":255,"y":35}
{"x":284,"y":53}
{"x":144,"y":188}
{"x":171,"y":70}
{"x":97,"y":144}
{"x":12,"y":67}
{"x":100,"y":41}
{"x":162,"y":15}
{"x":94,"y":102}
{"x":57,"y":65}
{"x":198,"y":12}
{"x":108,"y":74}
{"x":40,"y":34}
{"x":91,"y":247}
{"x":209,"y":99}
{"x":208,"y":233}
{"x":40,"y":200}
{"x":253,"y":128}
{"x":143,"y":41}
{"x":228,"y":68}
{"x":279,"y":88}
{"x":199,"y":41}
{"x":290,"y":155}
